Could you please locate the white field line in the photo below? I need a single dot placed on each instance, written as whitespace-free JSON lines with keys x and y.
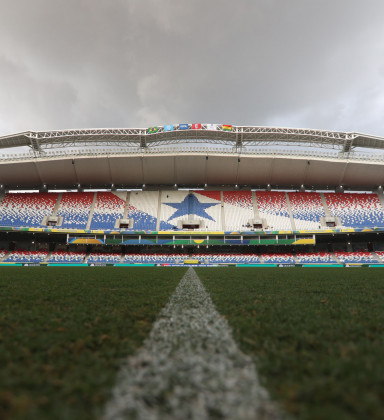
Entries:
{"x":189,"y":367}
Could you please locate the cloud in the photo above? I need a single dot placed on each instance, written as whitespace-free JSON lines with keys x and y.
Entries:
{"x":80,"y":63}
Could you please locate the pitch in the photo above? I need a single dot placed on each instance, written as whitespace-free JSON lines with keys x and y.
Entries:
{"x":315,"y":335}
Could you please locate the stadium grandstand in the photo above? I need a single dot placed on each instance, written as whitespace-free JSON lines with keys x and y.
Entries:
{"x":208,"y":194}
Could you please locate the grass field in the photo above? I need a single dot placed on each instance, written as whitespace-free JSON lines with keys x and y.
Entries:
{"x":317,"y":335}
{"x":65,"y":331}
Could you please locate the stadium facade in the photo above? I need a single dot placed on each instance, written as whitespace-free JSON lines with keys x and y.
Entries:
{"x":192,"y":194}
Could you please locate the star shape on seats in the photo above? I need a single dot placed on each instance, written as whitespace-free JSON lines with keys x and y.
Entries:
{"x":191,"y":205}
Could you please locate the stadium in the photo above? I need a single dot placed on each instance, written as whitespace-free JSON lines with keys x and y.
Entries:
{"x":141,"y":273}
{"x":205,"y":194}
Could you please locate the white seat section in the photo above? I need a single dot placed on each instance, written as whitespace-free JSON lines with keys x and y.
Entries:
{"x":238,"y":209}
{"x":143,"y":209}
{"x":307,"y":209}
{"x":273,"y":207}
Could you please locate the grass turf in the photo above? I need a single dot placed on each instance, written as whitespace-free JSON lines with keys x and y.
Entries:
{"x":316,"y":335}
{"x":65,"y":331}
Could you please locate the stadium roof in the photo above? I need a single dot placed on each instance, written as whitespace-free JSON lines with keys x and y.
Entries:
{"x":238,"y":136}
{"x":230,"y":156}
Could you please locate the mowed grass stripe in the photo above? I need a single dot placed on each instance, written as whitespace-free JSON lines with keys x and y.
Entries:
{"x":64,"y":332}
{"x":316,"y":335}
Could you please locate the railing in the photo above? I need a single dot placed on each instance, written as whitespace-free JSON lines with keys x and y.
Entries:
{"x":84,"y":152}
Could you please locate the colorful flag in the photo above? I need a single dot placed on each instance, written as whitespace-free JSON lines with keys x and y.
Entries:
{"x":152,"y":130}
{"x":196,"y":126}
{"x":168,"y":127}
{"x":211,"y":126}
{"x":227,"y":127}
{"x":183,"y":126}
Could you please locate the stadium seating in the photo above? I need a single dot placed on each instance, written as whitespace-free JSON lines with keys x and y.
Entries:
{"x":356,"y":210}
{"x":67,"y":257}
{"x":360,"y":257}
{"x":272,"y":258}
{"x":143,"y":209}
{"x":274,"y":208}
{"x":108,"y":208}
{"x":307,"y":208}
{"x":227,"y":258}
{"x":315,"y":258}
{"x":75,"y":208}
{"x":22,"y":256}
{"x":104,"y":258}
{"x":238,"y":210}
{"x":26,"y":209}
{"x":199,"y":205}
{"x":155,"y":258}
{"x":3,"y":253}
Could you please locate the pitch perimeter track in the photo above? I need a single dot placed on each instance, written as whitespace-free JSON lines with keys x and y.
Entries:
{"x":190,"y":367}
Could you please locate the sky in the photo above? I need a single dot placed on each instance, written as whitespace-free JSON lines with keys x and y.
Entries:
{"x":139,"y":63}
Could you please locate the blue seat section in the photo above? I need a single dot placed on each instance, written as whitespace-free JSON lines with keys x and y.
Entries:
{"x":108,"y":208}
{"x":26,"y":209}
{"x":75,"y":208}
{"x":104,"y":258}
{"x":21,"y":256}
{"x":315,"y":258}
{"x":278,"y":258}
{"x":356,"y":210}
{"x":141,"y":220}
{"x":307,"y":209}
{"x":356,"y":257}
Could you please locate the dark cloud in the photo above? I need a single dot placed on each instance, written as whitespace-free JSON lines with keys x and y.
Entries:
{"x":86,"y":63}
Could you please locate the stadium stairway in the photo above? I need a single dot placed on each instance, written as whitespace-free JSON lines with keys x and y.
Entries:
{"x":57,"y":205}
{"x":326,"y":209}
{"x":335,"y":258}
{"x":5,"y":256}
{"x":379,"y":194}
{"x":126,"y":208}
{"x":91,"y":211}
{"x":377,"y":256}
{"x":290,"y":212}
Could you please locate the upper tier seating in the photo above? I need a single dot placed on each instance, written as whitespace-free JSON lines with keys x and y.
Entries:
{"x":75,"y":208}
{"x":238,"y":209}
{"x":356,"y":210}
{"x":315,"y":257}
{"x":143,"y":209}
{"x":67,"y":257}
{"x":22,"y":256}
{"x":108,"y":208}
{"x":274,"y":208}
{"x":104,"y":258}
{"x":197,"y":205}
{"x":26,"y":209}
{"x":362,"y":257}
{"x":278,"y":258}
{"x":307,"y":208}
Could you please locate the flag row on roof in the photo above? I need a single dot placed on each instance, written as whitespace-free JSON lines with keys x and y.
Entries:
{"x":196,"y":126}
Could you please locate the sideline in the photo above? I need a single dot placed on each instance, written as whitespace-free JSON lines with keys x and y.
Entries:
{"x":190,"y":367}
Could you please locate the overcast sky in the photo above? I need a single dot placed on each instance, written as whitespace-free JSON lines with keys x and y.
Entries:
{"x":138,"y":63}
